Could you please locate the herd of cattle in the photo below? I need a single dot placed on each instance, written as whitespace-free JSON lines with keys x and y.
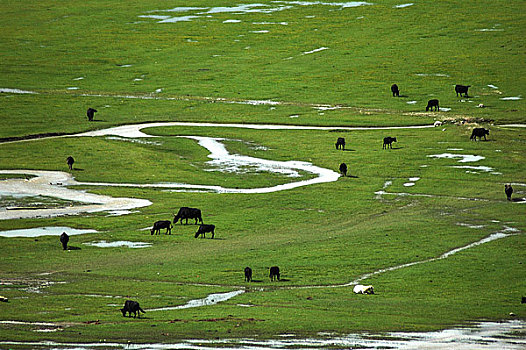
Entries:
{"x":186,"y":213}
{"x":433,"y":104}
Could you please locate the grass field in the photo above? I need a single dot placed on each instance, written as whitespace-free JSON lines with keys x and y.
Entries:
{"x":274,"y":62}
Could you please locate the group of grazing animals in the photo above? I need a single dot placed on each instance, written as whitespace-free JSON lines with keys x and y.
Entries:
{"x":273,"y":274}
{"x":433,"y":104}
{"x":184,"y":213}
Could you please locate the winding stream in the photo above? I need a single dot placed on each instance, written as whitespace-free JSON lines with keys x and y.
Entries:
{"x":55,"y":183}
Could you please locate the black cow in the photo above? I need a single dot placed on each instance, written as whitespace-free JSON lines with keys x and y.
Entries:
{"x":188,"y":213}
{"x":343,"y":169}
{"x":388,"y":142}
{"x":274,"y":273}
{"x":462,"y":89}
{"x":204,"y":229}
{"x":248,"y":274}
{"x":523,"y":300}
{"x":131,"y":306}
{"x":340,"y":143}
{"x":480,"y":133}
{"x":508,"y":190}
{"x":70,"y":162}
{"x":158,"y":225}
{"x":432,"y":104}
{"x":64,"y":239}
{"x":395,"y":91}
{"x":91,"y":113}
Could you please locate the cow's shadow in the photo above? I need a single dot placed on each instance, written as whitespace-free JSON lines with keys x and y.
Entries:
{"x":78,"y":169}
{"x":73,"y":248}
{"x":351,"y":176}
{"x":518,"y":200}
{"x":283,"y":280}
{"x":349,"y":150}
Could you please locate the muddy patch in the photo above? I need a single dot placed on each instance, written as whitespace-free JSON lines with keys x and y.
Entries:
{"x":482,"y":335}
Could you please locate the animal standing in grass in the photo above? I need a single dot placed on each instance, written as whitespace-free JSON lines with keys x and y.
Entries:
{"x":361,"y":289}
{"x":91,"y":113}
{"x":132,"y":306}
{"x":158,"y":225}
{"x":343,"y":169}
{"x":432,"y":104}
{"x":64,"y":239}
{"x":70,"y":162}
{"x":274,"y":273}
{"x":188,"y":213}
{"x":248,"y":274}
{"x":204,"y":229}
{"x":462,"y":89}
{"x":340,"y":143}
{"x":480,"y":133}
{"x":388,"y":142}
{"x":509,"y":191}
{"x":395,"y":91}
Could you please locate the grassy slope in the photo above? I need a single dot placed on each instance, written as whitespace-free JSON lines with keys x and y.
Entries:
{"x":323,"y":234}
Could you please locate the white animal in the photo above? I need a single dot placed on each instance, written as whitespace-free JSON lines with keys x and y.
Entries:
{"x":361,"y":289}
{"x":481,"y":105}
{"x":437,"y":123}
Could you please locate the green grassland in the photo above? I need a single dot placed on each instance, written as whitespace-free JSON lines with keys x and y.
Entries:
{"x":320,"y":235}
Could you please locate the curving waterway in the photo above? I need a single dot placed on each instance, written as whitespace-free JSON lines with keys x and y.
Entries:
{"x":58,"y":184}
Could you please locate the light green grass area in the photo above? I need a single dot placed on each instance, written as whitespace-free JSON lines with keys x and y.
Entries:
{"x":328,"y":234}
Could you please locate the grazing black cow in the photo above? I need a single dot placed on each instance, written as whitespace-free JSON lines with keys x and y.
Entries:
{"x":248,"y":274}
{"x":70,"y":162}
{"x":158,"y":225}
{"x":131,"y":306}
{"x":388,"y":142}
{"x":432,"y":104}
{"x":523,"y":300}
{"x":508,"y":190}
{"x":91,"y":113}
{"x":204,"y":229}
{"x":343,"y":169}
{"x":395,"y":91}
{"x":64,"y":239}
{"x":340,"y":143}
{"x":462,"y":89}
{"x":188,"y":213}
{"x":274,"y":273}
{"x":480,"y":133}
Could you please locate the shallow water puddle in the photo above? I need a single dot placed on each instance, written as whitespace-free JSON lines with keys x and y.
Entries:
{"x":242,"y":9}
{"x":104,"y":244}
{"x":481,"y":335}
{"x":211,"y":299}
{"x":45,"y":231}
{"x":464,"y":158}
{"x":402,"y":6}
{"x":516,"y":98}
{"x":16,"y":91}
